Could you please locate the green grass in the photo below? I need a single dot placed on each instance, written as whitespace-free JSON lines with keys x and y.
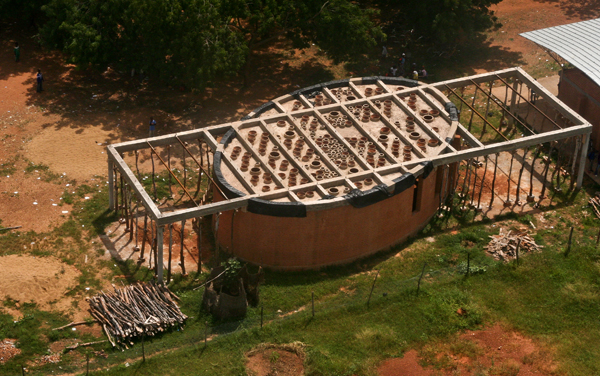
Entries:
{"x":548,"y":297}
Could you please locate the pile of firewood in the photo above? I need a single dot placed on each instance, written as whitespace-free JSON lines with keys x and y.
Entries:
{"x":504,"y":245}
{"x":595,"y":204}
{"x":134,"y":311}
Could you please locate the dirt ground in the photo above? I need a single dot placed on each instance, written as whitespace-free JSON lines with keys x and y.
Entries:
{"x":494,"y":351}
{"x":44,"y":280}
{"x":274,"y":360}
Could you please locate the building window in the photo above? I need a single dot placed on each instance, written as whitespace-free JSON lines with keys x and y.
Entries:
{"x":417,"y":193}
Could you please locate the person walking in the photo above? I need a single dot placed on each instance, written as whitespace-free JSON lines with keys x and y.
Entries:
{"x":591,"y":156}
{"x":384,"y":52}
{"x":401,"y":62}
{"x":40,"y":80}
{"x":152,"y":126}
{"x":17,"y":52}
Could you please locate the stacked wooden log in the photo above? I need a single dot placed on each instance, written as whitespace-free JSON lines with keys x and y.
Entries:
{"x":595,"y":204}
{"x":504,"y":245}
{"x":134,"y":311}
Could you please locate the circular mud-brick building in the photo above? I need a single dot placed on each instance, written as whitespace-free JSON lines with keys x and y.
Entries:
{"x":342,"y":170}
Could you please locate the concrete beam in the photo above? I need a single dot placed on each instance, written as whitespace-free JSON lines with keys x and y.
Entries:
{"x":511,"y":145}
{"x":556,"y":103}
{"x":133,"y":182}
{"x":585,"y":139}
{"x":111,"y":184}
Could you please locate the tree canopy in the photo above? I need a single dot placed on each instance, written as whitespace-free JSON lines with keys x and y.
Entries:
{"x":443,"y":21}
{"x":195,"y":41}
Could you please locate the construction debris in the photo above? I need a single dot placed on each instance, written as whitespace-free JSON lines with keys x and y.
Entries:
{"x":595,"y":204}
{"x":8,"y":350}
{"x":504,"y":245}
{"x":134,"y":311}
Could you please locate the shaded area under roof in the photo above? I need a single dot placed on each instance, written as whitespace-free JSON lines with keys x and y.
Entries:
{"x":578,"y":43}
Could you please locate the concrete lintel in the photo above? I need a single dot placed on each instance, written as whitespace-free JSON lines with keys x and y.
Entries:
{"x":171,"y":138}
{"x":544,"y":93}
{"x":111,"y":184}
{"x":511,"y":145}
{"x":483,"y":77}
{"x":132,"y":181}
{"x":201,"y":211}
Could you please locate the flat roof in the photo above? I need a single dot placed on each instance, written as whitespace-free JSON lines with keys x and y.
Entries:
{"x":578,"y":43}
{"x":342,"y":139}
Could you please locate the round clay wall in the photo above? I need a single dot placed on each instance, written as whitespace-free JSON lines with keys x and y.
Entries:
{"x":330,"y":236}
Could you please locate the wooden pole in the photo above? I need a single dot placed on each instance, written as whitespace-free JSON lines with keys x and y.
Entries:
{"x":521,"y":174}
{"x":536,"y":156}
{"x":472,"y":107}
{"x":261,"y":316}
{"x":419,"y":283}
{"x":170,"y":252}
{"x":181,"y":255}
{"x":141,"y":259}
{"x":372,"y":288}
{"x":122,"y":206}
{"x":598,"y":238}
{"x":518,"y":247}
{"x":153,"y":177}
{"x":184,"y":172}
{"x":474,"y":181}
{"x":569,"y":244}
{"x":482,"y":182}
{"x":493,"y":194}
{"x":546,"y":169}
{"x":512,"y":158}
{"x":169,"y":167}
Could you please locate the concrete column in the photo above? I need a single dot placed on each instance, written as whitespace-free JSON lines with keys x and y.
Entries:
{"x":582,"y":158}
{"x":111,"y":185}
{"x":159,"y":251}
{"x":513,"y":101}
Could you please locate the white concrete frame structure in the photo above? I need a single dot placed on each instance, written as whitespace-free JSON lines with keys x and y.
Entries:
{"x":448,"y":154}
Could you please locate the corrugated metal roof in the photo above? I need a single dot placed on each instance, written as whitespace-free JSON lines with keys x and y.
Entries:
{"x":578,"y":43}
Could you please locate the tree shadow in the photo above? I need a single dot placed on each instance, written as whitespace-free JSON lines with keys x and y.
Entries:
{"x":121,"y":104}
{"x":469,"y":58}
{"x":578,"y":9}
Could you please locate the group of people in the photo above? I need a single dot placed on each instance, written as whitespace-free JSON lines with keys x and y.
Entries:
{"x":39,"y":79}
{"x":399,"y":70}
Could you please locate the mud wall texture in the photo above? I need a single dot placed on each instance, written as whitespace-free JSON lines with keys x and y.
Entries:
{"x":582,"y":94}
{"x":330,"y":236}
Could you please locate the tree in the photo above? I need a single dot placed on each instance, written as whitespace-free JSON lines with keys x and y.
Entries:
{"x":443,"y":21}
{"x":28,"y":11}
{"x":185,"y":41}
{"x":342,"y":29}
{"x":197,"y":40}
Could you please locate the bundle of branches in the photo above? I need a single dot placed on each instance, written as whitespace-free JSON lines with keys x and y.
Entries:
{"x":595,"y":204}
{"x":504,"y":245}
{"x":134,"y":311}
